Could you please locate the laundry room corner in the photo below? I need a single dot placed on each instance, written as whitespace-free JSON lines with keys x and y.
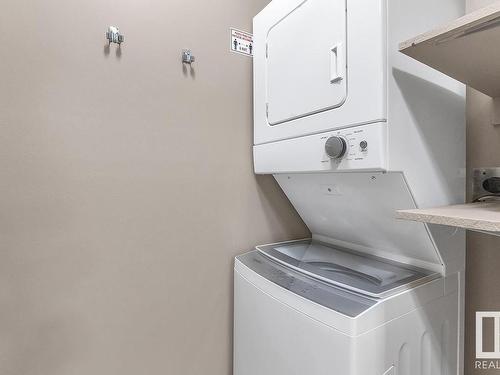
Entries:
{"x":250,"y":187}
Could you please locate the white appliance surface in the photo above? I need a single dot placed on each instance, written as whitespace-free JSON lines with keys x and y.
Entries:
{"x":288,"y":323}
{"x":298,"y":53}
{"x":366,"y":151}
{"x":305,"y":285}
{"x":357,"y":211}
{"x":352,"y":131}
{"x":318,"y":65}
{"x":368,"y":275}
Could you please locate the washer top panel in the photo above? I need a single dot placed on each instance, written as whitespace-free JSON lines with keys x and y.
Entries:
{"x":329,"y":296}
{"x":371,"y":276}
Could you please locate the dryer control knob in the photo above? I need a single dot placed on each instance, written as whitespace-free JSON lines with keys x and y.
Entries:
{"x":335,"y":147}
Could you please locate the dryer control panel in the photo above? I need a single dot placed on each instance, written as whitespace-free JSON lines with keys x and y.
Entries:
{"x":360,"y":148}
{"x":354,"y":144}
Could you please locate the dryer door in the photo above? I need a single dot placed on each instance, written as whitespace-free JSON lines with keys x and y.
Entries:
{"x":306,"y":61}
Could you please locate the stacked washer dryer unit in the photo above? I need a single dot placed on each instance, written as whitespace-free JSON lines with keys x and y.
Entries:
{"x":353,"y":130}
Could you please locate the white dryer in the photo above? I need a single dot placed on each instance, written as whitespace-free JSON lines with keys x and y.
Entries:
{"x":352,"y":131}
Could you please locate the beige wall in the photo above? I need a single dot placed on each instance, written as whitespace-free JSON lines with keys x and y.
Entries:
{"x":126,"y":186}
{"x":483,"y":251}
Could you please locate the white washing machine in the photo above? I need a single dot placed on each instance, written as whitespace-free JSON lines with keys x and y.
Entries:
{"x":307,"y":307}
{"x":352,"y":131}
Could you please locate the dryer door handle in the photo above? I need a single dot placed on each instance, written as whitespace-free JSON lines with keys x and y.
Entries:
{"x":337,"y":63}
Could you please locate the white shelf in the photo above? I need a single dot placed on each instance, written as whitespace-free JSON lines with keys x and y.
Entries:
{"x":483,"y":216}
{"x":466,"y":49}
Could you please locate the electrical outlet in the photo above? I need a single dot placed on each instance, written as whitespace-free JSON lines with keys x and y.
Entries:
{"x":486,"y":183}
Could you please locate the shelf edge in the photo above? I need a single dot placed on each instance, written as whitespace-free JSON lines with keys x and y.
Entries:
{"x":465,"y":22}
{"x":459,"y":222}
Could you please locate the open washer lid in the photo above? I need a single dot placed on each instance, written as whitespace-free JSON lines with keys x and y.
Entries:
{"x":371,"y":276}
{"x":358,"y":211}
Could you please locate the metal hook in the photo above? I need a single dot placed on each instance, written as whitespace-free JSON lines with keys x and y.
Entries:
{"x":187,"y":57}
{"x":113,"y":35}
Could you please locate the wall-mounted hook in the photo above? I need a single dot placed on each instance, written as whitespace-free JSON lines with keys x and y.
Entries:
{"x":187,"y":56}
{"x":113,"y":35}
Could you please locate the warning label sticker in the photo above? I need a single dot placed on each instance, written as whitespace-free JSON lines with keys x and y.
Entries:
{"x":241,"y":42}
